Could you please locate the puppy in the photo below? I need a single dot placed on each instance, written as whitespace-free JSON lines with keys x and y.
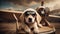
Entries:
{"x":44,"y":13}
{"x":30,"y":19}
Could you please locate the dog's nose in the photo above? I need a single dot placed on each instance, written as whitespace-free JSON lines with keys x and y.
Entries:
{"x":30,"y":19}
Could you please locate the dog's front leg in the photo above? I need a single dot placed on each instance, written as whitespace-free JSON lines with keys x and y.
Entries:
{"x":27,"y":29}
{"x":40,"y":25}
{"x":36,"y":29}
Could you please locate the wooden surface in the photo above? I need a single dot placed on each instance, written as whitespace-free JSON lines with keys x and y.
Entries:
{"x":10,"y":11}
{"x":43,"y":30}
{"x":10,"y":28}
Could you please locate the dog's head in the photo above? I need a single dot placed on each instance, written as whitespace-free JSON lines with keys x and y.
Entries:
{"x":30,"y":16}
{"x":43,"y":11}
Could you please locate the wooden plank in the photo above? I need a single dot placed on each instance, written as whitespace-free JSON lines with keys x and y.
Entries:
{"x":54,"y":16}
{"x":11,"y":11}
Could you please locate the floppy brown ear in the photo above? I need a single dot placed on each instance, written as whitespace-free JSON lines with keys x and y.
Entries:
{"x":39,"y":18}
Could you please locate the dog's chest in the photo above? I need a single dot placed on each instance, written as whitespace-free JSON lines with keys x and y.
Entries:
{"x":33,"y":26}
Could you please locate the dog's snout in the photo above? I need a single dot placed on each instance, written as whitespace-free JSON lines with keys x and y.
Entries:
{"x":30,"y":19}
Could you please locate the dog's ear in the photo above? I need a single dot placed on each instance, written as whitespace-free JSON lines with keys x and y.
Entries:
{"x":39,"y":18}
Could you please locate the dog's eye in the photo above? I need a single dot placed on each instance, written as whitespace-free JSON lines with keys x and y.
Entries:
{"x":26,"y":14}
{"x":33,"y":14}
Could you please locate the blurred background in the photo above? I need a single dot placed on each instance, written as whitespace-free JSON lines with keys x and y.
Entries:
{"x":7,"y":21}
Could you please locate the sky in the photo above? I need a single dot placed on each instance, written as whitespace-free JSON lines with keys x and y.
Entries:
{"x":23,"y":4}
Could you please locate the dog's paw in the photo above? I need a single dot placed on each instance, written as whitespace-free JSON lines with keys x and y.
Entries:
{"x":36,"y":31}
{"x":27,"y":29}
{"x":40,"y":25}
